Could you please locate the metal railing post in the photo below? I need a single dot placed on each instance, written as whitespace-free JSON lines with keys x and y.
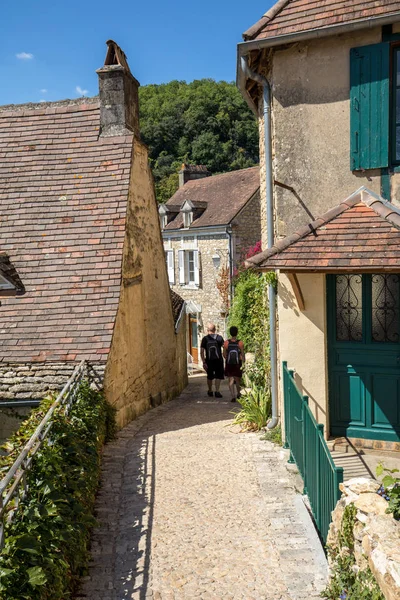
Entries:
{"x":285,"y":407}
{"x":339,"y":474}
{"x":320,"y":431}
{"x":291,"y":460}
{"x":304,"y":426}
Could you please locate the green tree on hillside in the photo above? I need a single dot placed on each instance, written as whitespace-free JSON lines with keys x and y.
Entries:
{"x":204,"y":122}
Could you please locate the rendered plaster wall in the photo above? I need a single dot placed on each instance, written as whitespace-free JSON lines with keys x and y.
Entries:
{"x":145,"y":364}
{"x":311,"y":129}
{"x":302,"y":340}
{"x":207,"y":294}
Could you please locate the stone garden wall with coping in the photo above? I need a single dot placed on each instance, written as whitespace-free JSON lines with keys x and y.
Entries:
{"x":25,"y":381}
{"x":376,"y":535}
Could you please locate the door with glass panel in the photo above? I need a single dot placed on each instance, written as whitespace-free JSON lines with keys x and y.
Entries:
{"x":194,"y":338}
{"x":364,"y":355}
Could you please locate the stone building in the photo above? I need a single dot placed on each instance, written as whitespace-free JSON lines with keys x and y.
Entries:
{"x":80,"y":239}
{"x":325,"y":74}
{"x":207,"y":226}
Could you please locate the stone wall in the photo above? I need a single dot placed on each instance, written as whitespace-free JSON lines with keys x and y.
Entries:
{"x":247,"y":227}
{"x":207,"y":294}
{"x":246,"y":232}
{"x":376,"y":535}
{"x":32,"y":381}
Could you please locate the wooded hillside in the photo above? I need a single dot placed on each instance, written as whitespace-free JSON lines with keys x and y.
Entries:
{"x":204,"y":122}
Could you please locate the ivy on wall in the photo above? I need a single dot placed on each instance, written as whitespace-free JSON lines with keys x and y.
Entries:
{"x":249,"y":313}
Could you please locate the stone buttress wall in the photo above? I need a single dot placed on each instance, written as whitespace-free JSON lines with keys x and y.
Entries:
{"x":247,"y":227}
{"x":143,"y":364}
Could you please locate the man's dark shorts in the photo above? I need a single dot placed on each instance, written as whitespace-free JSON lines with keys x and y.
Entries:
{"x":215,"y":369}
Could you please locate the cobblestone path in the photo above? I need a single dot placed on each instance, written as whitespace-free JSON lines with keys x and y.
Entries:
{"x":190,"y":509}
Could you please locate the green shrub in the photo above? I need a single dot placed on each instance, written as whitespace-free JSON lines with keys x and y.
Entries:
{"x":249,"y":313}
{"x":255,"y":409}
{"x":390,"y":489}
{"x":249,"y":310}
{"x":46,"y":544}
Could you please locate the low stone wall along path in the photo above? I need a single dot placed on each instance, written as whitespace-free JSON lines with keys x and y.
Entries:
{"x":190,"y":508}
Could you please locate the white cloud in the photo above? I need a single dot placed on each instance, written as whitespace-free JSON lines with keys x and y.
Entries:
{"x":42,"y":100}
{"x":80,"y":91}
{"x":24,"y":55}
{"x":43,"y":91}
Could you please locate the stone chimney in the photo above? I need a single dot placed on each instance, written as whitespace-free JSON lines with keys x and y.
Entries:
{"x":119,"y":98}
{"x":190,"y":172}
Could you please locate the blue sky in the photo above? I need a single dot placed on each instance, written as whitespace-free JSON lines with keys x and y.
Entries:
{"x":51,"y":48}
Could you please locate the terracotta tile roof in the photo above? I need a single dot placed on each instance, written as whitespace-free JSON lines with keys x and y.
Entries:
{"x":177,"y":305}
{"x":8,"y":271}
{"x":224,"y":194}
{"x":295,"y":16}
{"x":360,"y":234}
{"x":63,"y":195}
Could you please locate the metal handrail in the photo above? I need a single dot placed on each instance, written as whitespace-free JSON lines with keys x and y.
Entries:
{"x":308,"y":449}
{"x":16,"y":475}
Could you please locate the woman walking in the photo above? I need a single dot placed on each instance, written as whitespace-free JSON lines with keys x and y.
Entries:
{"x":234,"y":359}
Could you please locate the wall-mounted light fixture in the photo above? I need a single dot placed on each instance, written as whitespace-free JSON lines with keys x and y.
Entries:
{"x":216,"y":260}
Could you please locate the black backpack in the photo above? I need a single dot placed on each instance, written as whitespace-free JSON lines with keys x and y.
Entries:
{"x":233,"y":354}
{"x":213,"y":349}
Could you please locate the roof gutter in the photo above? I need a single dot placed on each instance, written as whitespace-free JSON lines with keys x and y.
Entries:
{"x":244,"y":48}
{"x":269,"y":203}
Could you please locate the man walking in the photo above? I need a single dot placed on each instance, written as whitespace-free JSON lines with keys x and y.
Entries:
{"x":213,"y":363}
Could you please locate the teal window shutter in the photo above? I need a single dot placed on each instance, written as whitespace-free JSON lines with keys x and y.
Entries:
{"x":369,"y":106}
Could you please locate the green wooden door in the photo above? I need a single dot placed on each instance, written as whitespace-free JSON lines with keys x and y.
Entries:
{"x":364,"y":355}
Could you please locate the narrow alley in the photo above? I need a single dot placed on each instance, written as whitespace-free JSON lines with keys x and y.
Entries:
{"x":189,"y":508}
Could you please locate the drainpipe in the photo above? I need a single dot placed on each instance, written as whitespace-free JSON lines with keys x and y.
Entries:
{"x":269,"y":203}
{"x":229,"y":233}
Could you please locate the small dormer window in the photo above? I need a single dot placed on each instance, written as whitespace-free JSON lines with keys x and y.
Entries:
{"x":187,"y":218}
{"x":163,"y":215}
{"x":5,"y":284}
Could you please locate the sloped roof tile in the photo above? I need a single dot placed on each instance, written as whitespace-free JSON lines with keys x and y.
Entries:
{"x":177,"y":305}
{"x":225,"y":195}
{"x":361,"y":233}
{"x":295,"y":16}
{"x":63,"y":197}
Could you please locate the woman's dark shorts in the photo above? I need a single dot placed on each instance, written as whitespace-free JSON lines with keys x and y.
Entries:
{"x":234,"y":371}
{"x":215,"y":369}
